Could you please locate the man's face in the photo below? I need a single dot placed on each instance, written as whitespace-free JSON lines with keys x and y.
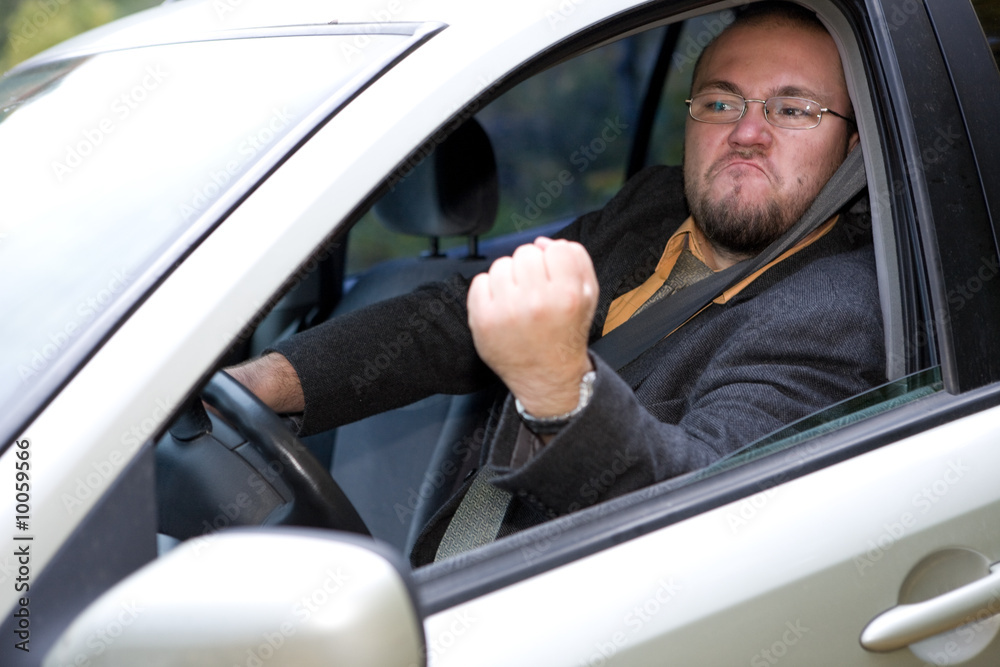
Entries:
{"x":749,"y":181}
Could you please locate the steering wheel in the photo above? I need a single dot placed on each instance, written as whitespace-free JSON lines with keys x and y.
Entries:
{"x":317,"y":500}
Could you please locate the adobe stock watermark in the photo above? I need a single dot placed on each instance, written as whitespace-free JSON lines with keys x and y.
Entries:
{"x":582,"y":158}
{"x":484,"y":91}
{"x":86,"y":311}
{"x":334,"y":580}
{"x":34,"y":23}
{"x":238,"y":331}
{"x":923,"y":502}
{"x":259,"y":481}
{"x":247,"y":151}
{"x":358,"y":43}
{"x":8,"y":567}
{"x":634,"y":621}
{"x":943,"y":141}
{"x":101,"y":639}
{"x":434,"y":480}
{"x":966,"y":291}
{"x":375,"y":365}
{"x":122,"y":107}
{"x":538,"y":542}
{"x":748,"y":509}
{"x":793,"y":633}
{"x":223,"y":8}
{"x":102,"y":472}
{"x":462,"y":621}
{"x":562,"y":12}
{"x":901,"y":14}
{"x":978,"y":630}
{"x":543,"y":537}
{"x":687,"y":52}
{"x":753,"y":506}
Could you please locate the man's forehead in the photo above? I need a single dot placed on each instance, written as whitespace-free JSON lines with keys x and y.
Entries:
{"x":781,"y":90}
{"x":780,"y":60}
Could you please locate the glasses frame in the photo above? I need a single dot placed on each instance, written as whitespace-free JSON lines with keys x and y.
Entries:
{"x":819,"y":119}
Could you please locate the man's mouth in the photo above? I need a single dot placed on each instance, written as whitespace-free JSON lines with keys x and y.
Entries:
{"x":741,"y":163}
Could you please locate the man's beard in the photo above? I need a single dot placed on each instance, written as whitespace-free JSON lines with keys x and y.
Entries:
{"x":737,"y":228}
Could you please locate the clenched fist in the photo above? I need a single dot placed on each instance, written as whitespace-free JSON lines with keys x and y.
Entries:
{"x":530,"y":317}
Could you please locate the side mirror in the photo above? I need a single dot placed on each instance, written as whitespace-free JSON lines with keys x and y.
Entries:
{"x":274,"y":597}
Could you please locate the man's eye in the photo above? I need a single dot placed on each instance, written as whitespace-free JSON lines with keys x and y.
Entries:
{"x":719,"y":106}
{"x":795,"y":110}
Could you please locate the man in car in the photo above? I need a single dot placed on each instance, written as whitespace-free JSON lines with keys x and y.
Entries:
{"x":769,"y":124}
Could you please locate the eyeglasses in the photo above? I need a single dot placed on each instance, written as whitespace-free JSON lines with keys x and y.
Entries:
{"x":792,"y":113}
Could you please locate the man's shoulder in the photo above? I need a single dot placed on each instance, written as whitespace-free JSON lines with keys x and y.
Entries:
{"x":831,"y":274}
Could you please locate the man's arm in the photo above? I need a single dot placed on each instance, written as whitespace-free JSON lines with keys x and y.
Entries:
{"x":532,"y":313}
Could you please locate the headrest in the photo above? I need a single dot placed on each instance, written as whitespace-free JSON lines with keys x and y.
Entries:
{"x":453,"y":192}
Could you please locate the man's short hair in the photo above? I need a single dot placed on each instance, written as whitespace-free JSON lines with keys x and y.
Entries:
{"x":767,"y":14}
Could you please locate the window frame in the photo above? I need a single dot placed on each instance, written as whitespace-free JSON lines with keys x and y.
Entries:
{"x":900,"y":225}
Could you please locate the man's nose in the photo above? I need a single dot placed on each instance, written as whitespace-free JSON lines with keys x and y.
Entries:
{"x":753,"y":129}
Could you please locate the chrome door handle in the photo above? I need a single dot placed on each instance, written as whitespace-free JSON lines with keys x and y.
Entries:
{"x":905,"y":624}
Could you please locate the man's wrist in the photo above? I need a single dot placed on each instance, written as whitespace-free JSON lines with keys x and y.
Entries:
{"x":273,"y":379}
{"x":550,"y":392}
{"x":549,"y":425}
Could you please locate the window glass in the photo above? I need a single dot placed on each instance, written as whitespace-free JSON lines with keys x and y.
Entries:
{"x":563,"y":137}
{"x":849,"y":411}
{"x":562,"y":140}
{"x":111,"y":160}
{"x":667,"y":143}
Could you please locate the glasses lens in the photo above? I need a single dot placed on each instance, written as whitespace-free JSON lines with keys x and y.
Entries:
{"x":717,"y":107}
{"x":793,"y":112}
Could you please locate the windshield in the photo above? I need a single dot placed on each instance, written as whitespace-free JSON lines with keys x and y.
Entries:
{"x":113,"y":165}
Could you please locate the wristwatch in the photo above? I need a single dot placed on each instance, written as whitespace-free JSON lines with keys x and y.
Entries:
{"x":551,"y":425}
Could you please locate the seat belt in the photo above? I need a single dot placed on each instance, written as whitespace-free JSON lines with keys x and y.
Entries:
{"x":628,"y":341}
{"x":478,"y":518}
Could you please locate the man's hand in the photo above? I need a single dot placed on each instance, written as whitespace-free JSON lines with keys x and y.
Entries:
{"x":530,"y":317}
{"x":273,"y":380}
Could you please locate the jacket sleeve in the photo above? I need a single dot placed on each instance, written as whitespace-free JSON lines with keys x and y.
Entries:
{"x":385,"y":356}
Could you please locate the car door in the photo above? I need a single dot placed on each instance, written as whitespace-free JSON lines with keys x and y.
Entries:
{"x":791,"y":556}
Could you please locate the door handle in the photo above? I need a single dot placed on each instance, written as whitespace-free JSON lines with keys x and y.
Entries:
{"x":906,"y":624}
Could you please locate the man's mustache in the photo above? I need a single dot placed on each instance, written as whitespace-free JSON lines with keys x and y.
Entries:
{"x":754,"y":155}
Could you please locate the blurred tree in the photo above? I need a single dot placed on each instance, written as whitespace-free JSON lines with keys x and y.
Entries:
{"x":28,"y":27}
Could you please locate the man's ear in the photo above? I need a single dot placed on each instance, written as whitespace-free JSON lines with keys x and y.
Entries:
{"x":853,"y":140}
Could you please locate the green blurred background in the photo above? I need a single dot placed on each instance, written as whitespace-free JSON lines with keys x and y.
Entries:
{"x":30,"y":26}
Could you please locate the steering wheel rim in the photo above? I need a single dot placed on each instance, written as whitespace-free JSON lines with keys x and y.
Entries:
{"x":317,"y":499}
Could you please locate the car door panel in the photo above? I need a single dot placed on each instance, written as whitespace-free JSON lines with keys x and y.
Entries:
{"x":794,"y":573}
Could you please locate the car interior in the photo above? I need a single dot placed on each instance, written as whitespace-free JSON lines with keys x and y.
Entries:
{"x":465,"y":202}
